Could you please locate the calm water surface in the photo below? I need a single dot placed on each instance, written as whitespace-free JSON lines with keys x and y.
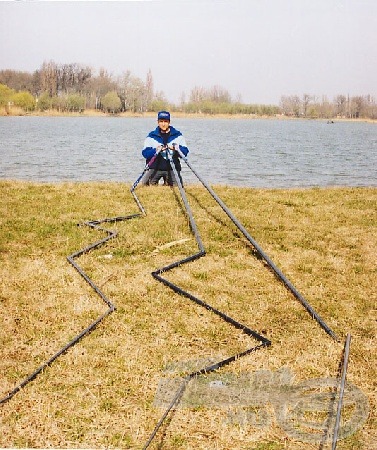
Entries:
{"x":236,"y":152}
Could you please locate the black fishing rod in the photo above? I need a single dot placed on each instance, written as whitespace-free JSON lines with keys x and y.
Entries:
{"x":346,"y":353}
{"x":133,"y":187}
{"x":262,"y":254}
{"x":146,"y":168}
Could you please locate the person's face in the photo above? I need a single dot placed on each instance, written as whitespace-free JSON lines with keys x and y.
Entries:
{"x":164,"y":125}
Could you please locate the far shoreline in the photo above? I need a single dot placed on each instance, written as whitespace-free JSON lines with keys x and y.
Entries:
{"x":175,"y":115}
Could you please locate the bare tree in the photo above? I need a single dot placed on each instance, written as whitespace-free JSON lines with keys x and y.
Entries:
{"x":370,"y":107}
{"x":72,"y":78}
{"x":49,"y":78}
{"x":99,"y":86}
{"x":290,"y":105}
{"x":135,"y":95}
{"x":148,"y":95}
{"x":182,"y":99}
{"x":197,"y":95}
{"x":340,"y":105}
{"x":218,"y":94}
{"x":358,"y":106}
{"x":325,"y":108}
{"x":133,"y":92}
{"x":306,"y":99}
{"x":19,"y":81}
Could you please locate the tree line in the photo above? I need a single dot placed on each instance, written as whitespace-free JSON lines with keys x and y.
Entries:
{"x":344,"y":106}
{"x":76,"y":87}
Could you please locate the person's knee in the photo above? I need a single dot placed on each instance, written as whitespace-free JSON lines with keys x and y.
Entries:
{"x":173,"y":181}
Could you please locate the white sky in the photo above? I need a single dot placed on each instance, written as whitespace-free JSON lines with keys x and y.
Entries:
{"x":260,"y":49}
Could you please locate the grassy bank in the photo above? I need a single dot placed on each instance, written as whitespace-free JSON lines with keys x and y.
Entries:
{"x":100,"y":393}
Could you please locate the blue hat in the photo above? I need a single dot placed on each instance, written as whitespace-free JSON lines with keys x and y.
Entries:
{"x":163,"y":115}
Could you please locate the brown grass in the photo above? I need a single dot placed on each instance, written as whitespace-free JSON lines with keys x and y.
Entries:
{"x":100,"y":393}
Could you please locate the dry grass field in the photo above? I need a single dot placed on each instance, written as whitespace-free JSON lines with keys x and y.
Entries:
{"x":102,"y":392}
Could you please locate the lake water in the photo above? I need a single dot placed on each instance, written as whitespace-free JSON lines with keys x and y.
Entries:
{"x":235,"y":152}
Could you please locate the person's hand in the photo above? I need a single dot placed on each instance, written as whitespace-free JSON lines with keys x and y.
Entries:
{"x":158,"y":149}
{"x":176,"y":147}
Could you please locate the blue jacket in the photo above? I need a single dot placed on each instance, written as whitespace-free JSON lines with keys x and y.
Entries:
{"x":154,"y":139}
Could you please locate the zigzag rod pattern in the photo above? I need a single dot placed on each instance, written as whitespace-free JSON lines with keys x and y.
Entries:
{"x":157,"y":275}
{"x":71,"y":259}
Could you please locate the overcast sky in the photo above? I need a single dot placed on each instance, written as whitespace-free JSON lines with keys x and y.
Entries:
{"x":258,"y":49}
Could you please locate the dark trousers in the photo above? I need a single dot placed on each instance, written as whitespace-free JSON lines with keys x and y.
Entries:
{"x":153,"y":177}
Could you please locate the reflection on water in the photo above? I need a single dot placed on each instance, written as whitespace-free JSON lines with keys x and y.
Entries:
{"x":236,"y":152}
